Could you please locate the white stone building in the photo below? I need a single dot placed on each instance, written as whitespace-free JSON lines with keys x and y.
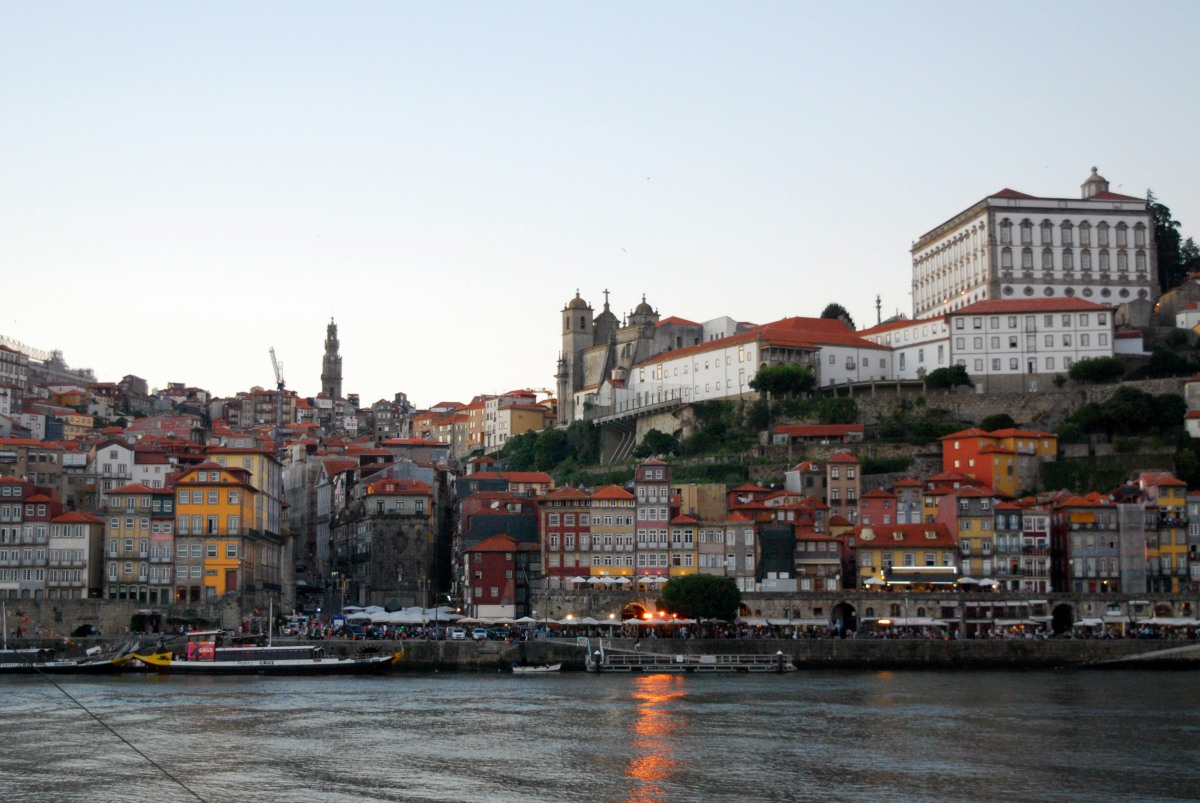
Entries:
{"x":918,"y":346}
{"x":1010,"y":345}
{"x":1011,"y":245}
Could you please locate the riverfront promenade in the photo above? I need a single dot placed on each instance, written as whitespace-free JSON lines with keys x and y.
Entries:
{"x":900,"y":653}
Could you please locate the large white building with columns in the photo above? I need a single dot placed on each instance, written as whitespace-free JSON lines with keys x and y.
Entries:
{"x":1099,"y":247}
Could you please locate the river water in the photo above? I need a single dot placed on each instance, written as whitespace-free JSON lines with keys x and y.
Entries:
{"x":853,"y":736}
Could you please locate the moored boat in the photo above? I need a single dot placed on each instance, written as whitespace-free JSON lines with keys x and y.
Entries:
{"x":535,"y":670}
{"x":204,"y":654}
{"x":46,"y":661}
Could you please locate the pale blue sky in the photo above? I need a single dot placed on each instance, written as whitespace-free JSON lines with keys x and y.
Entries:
{"x":184,"y":185}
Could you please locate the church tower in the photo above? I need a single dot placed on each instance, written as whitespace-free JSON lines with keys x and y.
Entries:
{"x":331,"y":364}
{"x":577,"y":334}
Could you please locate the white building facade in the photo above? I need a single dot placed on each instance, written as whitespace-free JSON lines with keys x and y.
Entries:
{"x":1010,"y":245}
{"x":1022,"y":345}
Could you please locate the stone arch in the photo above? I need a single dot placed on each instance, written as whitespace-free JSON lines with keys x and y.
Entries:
{"x":1062,"y":618}
{"x":844,"y":612}
{"x":633,"y":610}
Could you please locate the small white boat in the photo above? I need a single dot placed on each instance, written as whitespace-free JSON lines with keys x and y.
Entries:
{"x":535,"y":670}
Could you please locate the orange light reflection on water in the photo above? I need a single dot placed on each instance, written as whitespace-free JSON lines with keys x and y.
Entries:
{"x":653,"y":745}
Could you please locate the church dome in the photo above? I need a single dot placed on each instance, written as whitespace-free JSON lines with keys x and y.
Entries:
{"x":644,"y":308}
{"x":577,"y":302}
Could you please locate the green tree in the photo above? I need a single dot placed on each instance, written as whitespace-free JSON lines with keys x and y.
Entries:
{"x":1097,"y":369}
{"x":947,"y":378}
{"x":552,"y":448}
{"x":997,"y":421}
{"x":1166,"y":362}
{"x":783,"y":379}
{"x":838,"y":410}
{"x":520,"y":452}
{"x":656,"y":443}
{"x":702,"y":596}
{"x":1177,"y":258}
{"x":837,"y":312}
{"x":584,"y":438}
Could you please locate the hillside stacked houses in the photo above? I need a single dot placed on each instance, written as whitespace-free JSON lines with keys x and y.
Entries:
{"x":177,"y":501}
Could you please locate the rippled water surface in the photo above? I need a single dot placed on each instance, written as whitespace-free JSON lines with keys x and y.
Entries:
{"x":805,"y":736}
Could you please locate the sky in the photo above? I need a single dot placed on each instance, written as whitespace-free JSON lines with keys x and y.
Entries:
{"x":185,"y":185}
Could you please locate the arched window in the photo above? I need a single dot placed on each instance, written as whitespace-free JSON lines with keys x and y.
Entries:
{"x":1122,"y":262}
{"x":1006,"y":259}
{"x":1065,"y":232}
{"x":1047,"y":259}
{"x":1085,"y":261}
{"x":1139,"y":261}
{"x":1085,"y":233}
{"x":1026,"y":233}
{"x":1026,"y":259}
{"x":1047,"y":233}
{"x":1068,"y":257}
{"x":1102,"y":235}
{"x":1006,"y":232}
{"x":1139,"y":235}
{"x":894,"y":609}
{"x":1121,"y":235}
{"x":1103,"y":261}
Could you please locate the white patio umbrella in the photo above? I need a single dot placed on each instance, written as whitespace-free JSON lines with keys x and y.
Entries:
{"x":578,"y":580}
{"x":587,"y":620}
{"x":660,"y":579}
{"x":595,"y":580}
{"x":623,"y":581}
{"x":525,"y":620}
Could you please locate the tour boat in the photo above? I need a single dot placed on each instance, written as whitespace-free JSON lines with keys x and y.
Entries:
{"x":203,"y":654}
{"x":46,"y":661}
{"x":535,"y":670}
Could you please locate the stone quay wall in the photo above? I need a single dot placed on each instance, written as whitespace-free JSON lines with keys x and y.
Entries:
{"x":815,"y":654}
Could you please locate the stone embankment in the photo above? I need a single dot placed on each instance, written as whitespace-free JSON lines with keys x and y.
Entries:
{"x":493,"y":656}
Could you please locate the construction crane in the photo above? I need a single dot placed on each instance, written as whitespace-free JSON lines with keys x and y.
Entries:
{"x":279,"y":386}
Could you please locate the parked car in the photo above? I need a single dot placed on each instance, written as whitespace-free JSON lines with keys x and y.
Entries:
{"x":479,"y":634}
{"x":375,"y":633}
{"x":457,"y":634}
{"x":355,"y":632}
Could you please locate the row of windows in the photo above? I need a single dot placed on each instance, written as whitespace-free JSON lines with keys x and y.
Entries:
{"x":207,"y":497}
{"x":1068,"y":260}
{"x":208,"y":525}
{"x":13,"y":511}
{"x":1066,"y":341}
{"x":658,"y":371}
{"x":1066,"y":233}
{"x":1067,"y":321}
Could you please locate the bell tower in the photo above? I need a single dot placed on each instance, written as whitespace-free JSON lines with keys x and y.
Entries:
{"x":578,"y":334}
{"x":331,"y":364}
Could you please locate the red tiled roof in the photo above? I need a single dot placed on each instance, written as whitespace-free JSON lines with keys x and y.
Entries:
{"x":818,"y":430}
{"x":843,"y":457}
{"x":566,"y":493}
{"x":612,"y":492}
{"x":515,"y":476}
{"x":912,"y":536}
{"x":1007,"y":193}
{"x":132,"y":488}
{"x":1115,"y":196}
{"x":393,"y":487}
{"x":75,"y":517}
{"x":1018,"y":305}
{"x":676,"y":321}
